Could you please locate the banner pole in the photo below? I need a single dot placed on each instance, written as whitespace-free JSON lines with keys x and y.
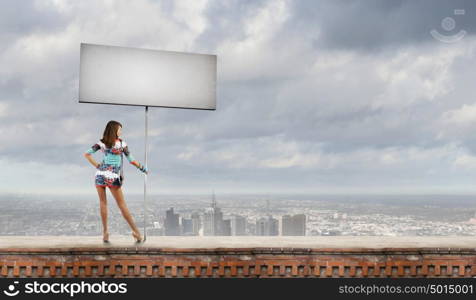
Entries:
{"x":145,"y":175}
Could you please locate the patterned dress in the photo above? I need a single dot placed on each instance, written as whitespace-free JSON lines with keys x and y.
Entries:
{"x":109,"y":170}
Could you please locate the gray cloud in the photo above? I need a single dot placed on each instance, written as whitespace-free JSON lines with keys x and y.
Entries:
{"x":311,"y":95}
{"x":19,"y":18}
{"x":378,"y":25}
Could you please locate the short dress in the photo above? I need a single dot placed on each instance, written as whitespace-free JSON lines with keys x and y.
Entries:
{"x":109,"y":170}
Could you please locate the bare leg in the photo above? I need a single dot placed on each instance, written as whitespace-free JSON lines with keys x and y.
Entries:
{"x":103,"y":208}
{"x":119,"y":196}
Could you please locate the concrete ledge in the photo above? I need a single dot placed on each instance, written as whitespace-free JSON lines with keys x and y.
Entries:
{"x":207,"y":242}
{"x":336,"y":256}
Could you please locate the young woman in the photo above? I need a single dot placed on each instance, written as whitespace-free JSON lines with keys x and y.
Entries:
{"x":108,"y":174}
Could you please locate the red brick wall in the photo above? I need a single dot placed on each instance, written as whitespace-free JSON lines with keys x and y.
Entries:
{"x":237,"y":262}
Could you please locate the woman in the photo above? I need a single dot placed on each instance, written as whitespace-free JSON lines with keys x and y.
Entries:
{"x":108,"y":174}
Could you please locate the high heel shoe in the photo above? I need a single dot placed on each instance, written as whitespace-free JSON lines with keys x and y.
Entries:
{"x":137,"y":237}
{"x":105,"y":238}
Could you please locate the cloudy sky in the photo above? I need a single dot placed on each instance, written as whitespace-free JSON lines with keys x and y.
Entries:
{"x":312,"y":96}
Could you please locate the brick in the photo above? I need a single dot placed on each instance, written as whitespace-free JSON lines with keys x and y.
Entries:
{"x":352,"y":271}
{"x":341,"y":270}
{"x":246,"y":270}
{"x":365,"y":270}
{"x":413,"y":270}
{"x":221,"y":270}
{"x":329,"y":270}
{"x":28,"y":271}
{"x":233,"y":271}
{"x":4,"y":269}
{"x":148,"y":271}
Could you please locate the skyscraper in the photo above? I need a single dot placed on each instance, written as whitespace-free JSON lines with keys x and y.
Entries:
{"x":196,"y":224}
{"x":226,"y":227}
{"x":272,"y":226}
{"x":286,"y":225}
{"x":171,"y":224}
{"x":293,"y":225}
{"x":299,"y":224}
{"x":267,"y":226}
{"x":213,"y":220}
{"x":187,"y":228}
{"x":238,"y":225}
{"x":261,"y":226}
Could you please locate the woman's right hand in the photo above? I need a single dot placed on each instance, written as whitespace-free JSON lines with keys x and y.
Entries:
{"x":144,"y":169}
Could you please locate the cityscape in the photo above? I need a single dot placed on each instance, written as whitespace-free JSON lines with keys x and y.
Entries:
{"x":243,"y":215}
{"x":212,"y":223}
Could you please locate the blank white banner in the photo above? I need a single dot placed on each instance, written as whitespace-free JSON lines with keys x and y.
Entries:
{"x":133,"y":76}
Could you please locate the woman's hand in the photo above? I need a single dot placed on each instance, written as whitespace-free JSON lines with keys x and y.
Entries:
{"x":144,"y":169}
{"x":140,"y":167}
{"x":92,"y":161}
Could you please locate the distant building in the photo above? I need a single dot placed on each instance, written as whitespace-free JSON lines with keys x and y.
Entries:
{"x":155,"y":230}
{"x":213,"y":223}
{"x":226,"y":228}
{"x":293,"y":225}
{"x":171,"y":224}
{"x":267,"y":226}
{"x":260,"y":226}
{"x":196,"y":224}
{"x":187,"y":228}
{"x":208,"y":223}
{"x":286,"y":225}
{"x":273,"y":226}
{"x":251,"y":227}
{"x":238,"y":225}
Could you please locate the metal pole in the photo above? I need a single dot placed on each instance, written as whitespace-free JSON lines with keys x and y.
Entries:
{"x":145,"y":176}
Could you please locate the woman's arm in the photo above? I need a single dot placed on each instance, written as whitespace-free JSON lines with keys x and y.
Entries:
{"x":132,"y":160}
{"x":89,"y":157}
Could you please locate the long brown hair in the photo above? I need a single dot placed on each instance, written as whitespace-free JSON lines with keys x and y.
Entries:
{"x":110,"y":133}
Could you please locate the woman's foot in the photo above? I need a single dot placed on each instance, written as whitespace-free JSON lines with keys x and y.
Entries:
{"x":137,"y":236}
{"x":105,"y":237}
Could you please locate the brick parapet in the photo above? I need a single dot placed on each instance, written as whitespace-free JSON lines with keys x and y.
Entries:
{"x":236,"y":262}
